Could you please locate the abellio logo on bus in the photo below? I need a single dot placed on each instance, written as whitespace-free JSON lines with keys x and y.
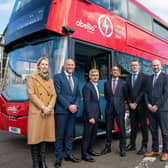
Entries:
{"x":105,"y":26}
{"x":87,"y":26}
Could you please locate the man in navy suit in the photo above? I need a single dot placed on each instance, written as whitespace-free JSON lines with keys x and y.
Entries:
{"x":115,"y":93}
{"x":68,"y":101}
{"x":91,"y":115}
{"x":136,"y":82}
{"x":156,"y":98}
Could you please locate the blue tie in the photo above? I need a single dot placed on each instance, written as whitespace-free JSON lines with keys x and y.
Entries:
{"x":154,"y":78}
{"x":133,"y":80}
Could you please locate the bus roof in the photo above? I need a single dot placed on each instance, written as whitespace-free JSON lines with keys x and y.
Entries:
{"x":150,"y":12}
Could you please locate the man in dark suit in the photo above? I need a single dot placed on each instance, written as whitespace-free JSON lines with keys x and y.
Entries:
{"x":68,"y":101}
{"x":115,"y":93}
{"x":91,"y":115}
{"x":138,"y":113}
{"x":156,"y":97}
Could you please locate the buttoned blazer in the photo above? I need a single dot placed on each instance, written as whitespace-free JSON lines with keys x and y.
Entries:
{"x":91,"y":102}
{"x":65,"y":96}
{"x":157,"y":94}
{"x":115,"y":100}
{"x":136,"y":93}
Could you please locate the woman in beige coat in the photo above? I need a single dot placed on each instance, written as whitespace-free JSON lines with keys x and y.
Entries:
{"x":41,"y":125}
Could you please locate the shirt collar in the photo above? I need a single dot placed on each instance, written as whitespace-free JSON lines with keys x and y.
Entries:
{"x":67,"y":74}
{"x":158,"y":73}
{"x":136,"y":73}
{"x":96,"y":84}
{"x":115,"y":78}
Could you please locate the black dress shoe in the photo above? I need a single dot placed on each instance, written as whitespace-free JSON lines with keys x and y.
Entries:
{"x":142,"y":151}
{"x":106,"y":150}
{"x":58,"y":163}
{"x":131,"y":147}
{"x":43,"y":165}
{"x":122,"y":153}
{"x":72,"y":159}
{"x":93,"y":153}
{"x":88,"y":159}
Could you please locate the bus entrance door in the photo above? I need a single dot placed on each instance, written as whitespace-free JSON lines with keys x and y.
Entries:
{"x":86,"y":58}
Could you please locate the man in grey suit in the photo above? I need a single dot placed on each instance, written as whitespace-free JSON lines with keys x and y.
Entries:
{"x":156,"y":98}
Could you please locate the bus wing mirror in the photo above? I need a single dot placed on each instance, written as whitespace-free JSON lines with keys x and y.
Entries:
{"x":68,"y":30}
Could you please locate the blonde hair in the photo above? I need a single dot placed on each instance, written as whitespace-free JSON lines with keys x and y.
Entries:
{"x":39,"y":62}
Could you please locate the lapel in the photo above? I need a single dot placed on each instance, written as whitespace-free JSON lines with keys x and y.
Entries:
{"x":138,"y":77}
{"x":151,"y":81}
{"x":158,"y":80}
{"x":138,"y":80}
{"x":93,"y":89}
{"x":66,"y":82}
{"x":118,"y":87}
{"x":130,"y":80}
{"x":110,"y":86}
{"x":75,"y":82}
{"x":41,"y":81}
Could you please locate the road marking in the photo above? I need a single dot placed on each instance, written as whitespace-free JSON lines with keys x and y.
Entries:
{"x":166,"y":166}
{"x":146,"y":161}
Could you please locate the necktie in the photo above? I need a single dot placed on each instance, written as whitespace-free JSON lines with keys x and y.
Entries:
{"x":133,"y":80}
{"x":154,"y":79}
{"x":70,"y":82}
{"x":97,"y":90}
{"x":114,"y":86}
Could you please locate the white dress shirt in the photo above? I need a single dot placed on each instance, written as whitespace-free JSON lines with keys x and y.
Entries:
{"x":67,"y":75}
{"x":95,"y":85}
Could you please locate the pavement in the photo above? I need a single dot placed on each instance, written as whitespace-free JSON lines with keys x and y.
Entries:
{"x":15,"y":153}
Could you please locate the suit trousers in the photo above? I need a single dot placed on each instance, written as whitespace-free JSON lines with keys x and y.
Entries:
{"x":139,"y":116}
{"x":109,"y":126}
{"x":65,"y":124}
{"x":160,"y":118}
{"x":89,"y":136}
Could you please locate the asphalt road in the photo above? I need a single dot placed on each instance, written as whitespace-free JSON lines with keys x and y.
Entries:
{"x":15,"y":153}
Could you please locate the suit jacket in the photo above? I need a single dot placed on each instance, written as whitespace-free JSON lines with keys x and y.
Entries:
{"x":65,"y":96}
{"x":91,"y":102}
{"x":157,"y":94}
{"x":136,"y":93}
{"x":117,"y":100}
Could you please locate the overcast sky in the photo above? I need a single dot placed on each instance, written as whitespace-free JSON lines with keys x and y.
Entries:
{"x":5,"y":12}
{"x":159,"y":7}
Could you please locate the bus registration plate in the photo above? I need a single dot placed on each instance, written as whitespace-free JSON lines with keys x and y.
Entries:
{"x":14,"y":130}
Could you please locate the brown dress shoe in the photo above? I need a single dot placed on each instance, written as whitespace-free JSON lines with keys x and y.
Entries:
{"x":152,"y":154}
{"x":164,"y":157}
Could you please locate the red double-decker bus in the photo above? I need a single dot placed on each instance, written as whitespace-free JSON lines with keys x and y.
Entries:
{"x":95,"y":33}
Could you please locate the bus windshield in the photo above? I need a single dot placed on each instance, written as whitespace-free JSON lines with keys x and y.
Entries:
{"x":20,"y":4}
{"x":22,"y":61}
